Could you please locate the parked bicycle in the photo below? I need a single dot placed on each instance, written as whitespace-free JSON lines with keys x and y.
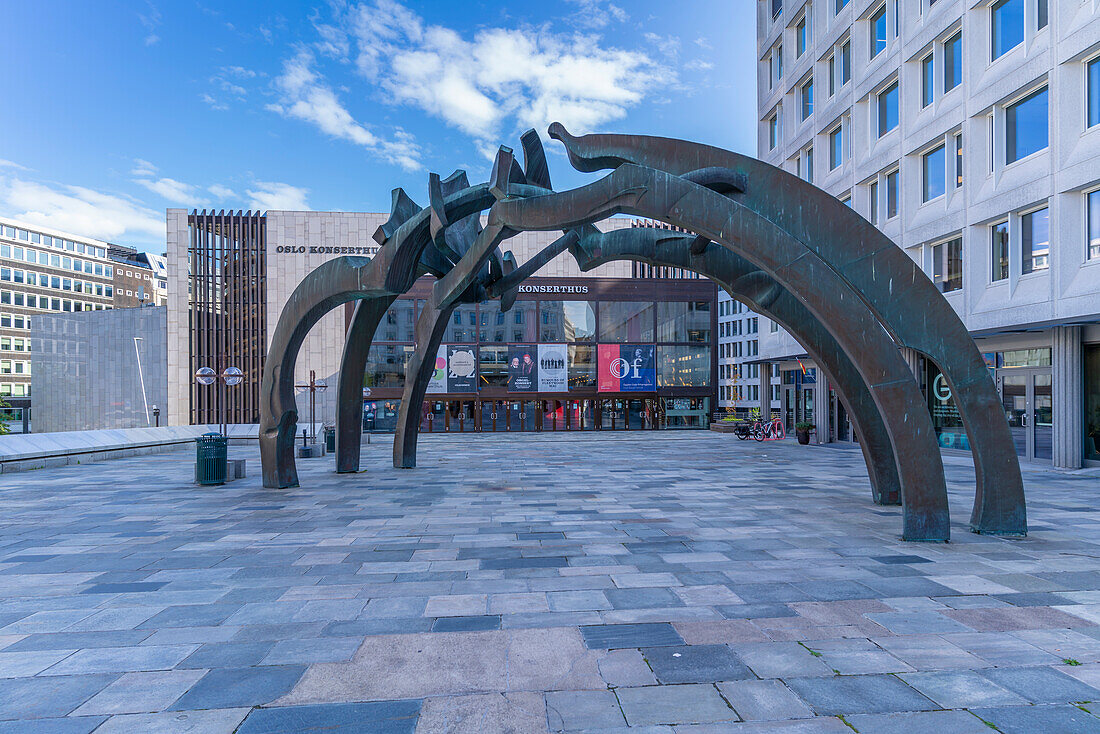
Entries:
{"x":771,"y":430}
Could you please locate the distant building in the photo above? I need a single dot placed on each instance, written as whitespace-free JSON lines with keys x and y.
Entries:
{"x":141,"y":278}
{"x":969,"y":133}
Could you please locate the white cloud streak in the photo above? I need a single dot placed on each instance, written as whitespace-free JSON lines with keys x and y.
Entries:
{"x":81,"y":210}
{"x":305,"y":96}
{"x":275,"y":196}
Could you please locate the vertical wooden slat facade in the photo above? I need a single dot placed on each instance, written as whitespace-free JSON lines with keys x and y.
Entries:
{"x":228,"y":323}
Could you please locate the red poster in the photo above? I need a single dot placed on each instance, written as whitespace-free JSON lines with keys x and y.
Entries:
{"x":608,"y":379}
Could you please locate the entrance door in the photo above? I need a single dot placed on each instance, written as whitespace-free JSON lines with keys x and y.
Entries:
{"x":790,"y":407}
{"x":1029,"y":407}
{"x":460,"y":416}
{"x":553,"y":415}
{"x":492,"y":415}
{"x":517,"y":415}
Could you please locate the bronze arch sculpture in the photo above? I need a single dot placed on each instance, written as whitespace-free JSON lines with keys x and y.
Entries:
{"x":780,"y":245}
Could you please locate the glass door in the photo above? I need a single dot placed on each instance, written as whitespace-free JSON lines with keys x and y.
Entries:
{"x":530,"y":412}
{"x":1026,"y":396}
{"x":492,"y":415}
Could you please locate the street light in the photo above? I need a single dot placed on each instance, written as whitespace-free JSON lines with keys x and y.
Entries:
{"x":230,"y":376}
{"x":314,"y":385}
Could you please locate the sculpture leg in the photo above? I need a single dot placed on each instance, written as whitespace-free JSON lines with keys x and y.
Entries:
{"x":349,"y":400}
{"x":430,"y":327}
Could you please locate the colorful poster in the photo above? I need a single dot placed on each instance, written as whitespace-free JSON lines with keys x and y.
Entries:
{"x":553,"y":367}
{"x":438,"y":382}
{"x":523,"y":371}
{"x":461,"y":368}
{"x":627,"y":367}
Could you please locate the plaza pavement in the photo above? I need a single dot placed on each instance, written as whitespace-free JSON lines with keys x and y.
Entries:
{"x":673,"y":582}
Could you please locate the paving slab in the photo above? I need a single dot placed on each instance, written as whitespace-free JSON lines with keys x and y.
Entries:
{"x":764,"y":700}
{"x":678,"y":704}
{"x":859,"y":694}
{"x":695,"y":664}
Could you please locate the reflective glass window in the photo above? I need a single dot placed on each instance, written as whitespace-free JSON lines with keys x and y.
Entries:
{"x":626,"y":321}
{"x":683,"y":321}
{"x":1007,"y":30}
{"x":1026,"y":124}
{"x":566,"y":321}
{"x":1035,"y":240}
{"x":683,"y":366}
{"x":934,"y":173}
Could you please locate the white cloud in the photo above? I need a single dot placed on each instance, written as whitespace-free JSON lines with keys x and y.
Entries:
{"x":11,"y":164}
{"x":176,"y":192}
{"x":222,"y":192}
{"x":594,"y":14}
{"x":304,"y":95}
{"x":274,"y":196}
{"x":81,"y":210}
{"x":501,"y":79}
{"x":143,"y":168}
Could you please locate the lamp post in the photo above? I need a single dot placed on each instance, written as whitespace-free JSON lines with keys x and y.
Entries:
{"x":230,"y":376}
{"x":156,"y":416}
{"x":314,"y":385}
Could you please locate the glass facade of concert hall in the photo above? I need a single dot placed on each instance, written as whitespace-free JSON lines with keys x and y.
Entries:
{"x":571,"y":355}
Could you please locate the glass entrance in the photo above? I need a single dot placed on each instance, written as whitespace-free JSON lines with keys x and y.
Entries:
{"x":460,"y":416}
{"x":578,"y":415}
{"x":1028,"y":404}
{"x":493,"y":415}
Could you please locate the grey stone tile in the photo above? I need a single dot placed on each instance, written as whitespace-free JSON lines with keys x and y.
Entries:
{"x":1042,"y":685}
{"x":393,"y":717}
{"x":1029,"y":719}
{"x":695,"y":664}
{"x":307,"y":652}
{"x":227,"y":655}
{"x":781,"y":660}
{"x":918,"y":623}
{"x":121,"y":659}
{"x":686,"y":704}
{"x":625,"y":668}
{"x":961,"y":689}
{"x":858,"y":694}
{"x":235,"y":687}
{"x":764,"y":700}
{"x":580,"y":710}
{"x":26,"y":664}
{"x":215,"y":721}
{"x":467,"y":624}
{"x":136,"y":693}
{"x":643,"y":598}
{"x":33,"y":698}
{"x":66,"y":725}
{"x":577,"y":601}
{"x":919,"y":722}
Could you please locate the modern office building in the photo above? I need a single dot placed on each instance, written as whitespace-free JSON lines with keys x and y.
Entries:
{"x":43,"y":271}
{"x":624,"y":346}
{"x":740,"y":387}
{"x":969,"y":133}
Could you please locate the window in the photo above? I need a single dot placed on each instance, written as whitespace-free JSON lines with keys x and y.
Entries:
{"x":958,"y":160}
{"x":1007,"y":30}
{"x":927,"y":80}
{"x":832,"y":75}
{"x":836,"y":147}
{"x":888,"y":109}
{"x":873,"y":211}
{"x":1035,"y":240}
{"x":947,"y":265}
{"x":999,"y":250}
{"x":846,"y":200}
{"x":934,"y":173}
{"x":800,"y":38}
{"x":777,"y":8}
{"x":1092,"y":206}
{"x":845,"y":63}
{"x":808,"y":98}
{"x":891,"y":194}
{"x":808,"y":164}
{"x":1026,"y":126}
{"x":1041,"y":15}
{"x":1092,"y":75}
{"x":773,"y":131}
{"x":839,"y":5}
{"x":878,"y":31}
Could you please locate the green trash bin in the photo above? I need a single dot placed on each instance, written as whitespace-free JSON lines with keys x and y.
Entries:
{"x":211,"y":451}
{"x":330,"y":439}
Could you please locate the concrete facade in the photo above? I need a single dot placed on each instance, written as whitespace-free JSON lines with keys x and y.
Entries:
{"x":869,"y":130}
{"x":99,"y":369}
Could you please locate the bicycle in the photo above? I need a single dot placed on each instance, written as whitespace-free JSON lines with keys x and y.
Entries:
{"x":771,"y":431}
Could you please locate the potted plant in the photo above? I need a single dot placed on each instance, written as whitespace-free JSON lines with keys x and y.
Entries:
{"x":802,"y":431}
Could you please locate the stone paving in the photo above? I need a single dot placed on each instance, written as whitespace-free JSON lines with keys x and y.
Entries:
{"x":679,"y":583}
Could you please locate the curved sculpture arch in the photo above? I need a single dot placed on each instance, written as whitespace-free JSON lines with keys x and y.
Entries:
{"x":836,"y":300}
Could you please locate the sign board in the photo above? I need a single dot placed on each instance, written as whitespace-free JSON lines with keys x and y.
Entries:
{"x":523,"y":369}
{"x":627,"y":367}
{"x":553,"y":367}
{"x":461,"y":368}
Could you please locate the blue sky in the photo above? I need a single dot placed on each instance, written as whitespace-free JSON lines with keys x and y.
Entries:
{"x":111,"y":112}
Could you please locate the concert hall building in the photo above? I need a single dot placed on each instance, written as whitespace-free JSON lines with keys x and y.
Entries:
{"x":623,"y":347}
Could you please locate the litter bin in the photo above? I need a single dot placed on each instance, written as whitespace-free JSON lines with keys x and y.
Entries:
{"x":210,"y":458}
{"x":330,"y":439}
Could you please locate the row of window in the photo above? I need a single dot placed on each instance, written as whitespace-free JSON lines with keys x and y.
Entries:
{"x":37,"y":238}
{"x":732,"y":350}
{"x":15,"y":390}
{"x":42,"y":280}
{"x":54,"y":260}
{"x":15,"y":366}
{"x":739,"y":327}
{"x":731,"y":308}
{"x":750,"y":371}
{"x":14,"y":344}
{"x":46,"y":303}
{"x":738,"y":392}
{"x":1023,"y":237}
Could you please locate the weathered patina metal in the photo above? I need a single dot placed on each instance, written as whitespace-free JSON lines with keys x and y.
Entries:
{"x":785,"y":248}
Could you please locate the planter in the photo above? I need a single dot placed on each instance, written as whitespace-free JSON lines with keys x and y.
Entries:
{"x":802,"y":436}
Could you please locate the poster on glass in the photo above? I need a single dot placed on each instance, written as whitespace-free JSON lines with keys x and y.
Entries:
{"x":627,"y":368}
{"x":522,"y":368}
{"x":553,"y":367}
{"x":461,"y":368}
